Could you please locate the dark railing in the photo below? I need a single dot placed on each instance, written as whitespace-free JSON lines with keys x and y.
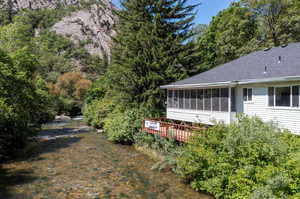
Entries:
{"x":164,"y":128}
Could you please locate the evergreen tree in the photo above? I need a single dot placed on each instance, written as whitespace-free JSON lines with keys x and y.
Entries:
{"x":153,"y":48}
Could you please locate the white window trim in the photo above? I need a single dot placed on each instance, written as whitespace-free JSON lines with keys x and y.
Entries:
{"x":248,"y":101}
{"x":177,"y":106}
{"x":291,"y":107}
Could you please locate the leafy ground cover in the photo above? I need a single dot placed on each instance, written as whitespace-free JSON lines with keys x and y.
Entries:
{"x":73,"y":162}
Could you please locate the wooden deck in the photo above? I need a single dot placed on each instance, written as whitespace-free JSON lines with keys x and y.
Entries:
{"x":161,"y":127}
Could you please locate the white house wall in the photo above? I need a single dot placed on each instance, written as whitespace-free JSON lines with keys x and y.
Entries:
{"x":286,"y":117}
{"x":205,"y":117}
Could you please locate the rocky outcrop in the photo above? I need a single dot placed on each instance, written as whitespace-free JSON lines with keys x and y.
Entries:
{"x":38,"y":4}
{"x":91,"y":25}
{"x":93,"y":28}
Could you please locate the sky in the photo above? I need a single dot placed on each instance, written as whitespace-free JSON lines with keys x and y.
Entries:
{"x":205,"y":11}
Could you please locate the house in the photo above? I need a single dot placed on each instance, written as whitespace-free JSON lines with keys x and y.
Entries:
{"x":264,"y":83}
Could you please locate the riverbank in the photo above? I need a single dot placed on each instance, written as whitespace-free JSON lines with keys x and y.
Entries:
{"x":75,"y":162}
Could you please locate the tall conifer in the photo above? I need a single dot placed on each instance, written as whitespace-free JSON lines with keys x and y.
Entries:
{"x":152,"y":48}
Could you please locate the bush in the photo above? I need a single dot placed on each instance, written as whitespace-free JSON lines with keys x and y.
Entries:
{"x":168,"y":148}
{"x":121,"y":126}
{"x":96,"y":111}
{"x":22,"y":99}
{"x":248,"y":159}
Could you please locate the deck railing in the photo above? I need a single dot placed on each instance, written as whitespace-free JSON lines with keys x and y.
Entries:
{"x":161,"y":127}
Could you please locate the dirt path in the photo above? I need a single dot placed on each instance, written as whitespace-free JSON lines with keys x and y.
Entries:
{"x":79,"y":164}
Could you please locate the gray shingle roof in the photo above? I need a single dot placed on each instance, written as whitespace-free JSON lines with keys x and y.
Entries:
{"x":251,"y":67}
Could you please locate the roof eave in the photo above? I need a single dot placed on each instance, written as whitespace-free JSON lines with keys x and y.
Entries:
{"x":269,"y":80}
{"x":215,"y":84}
{"x":233,"y":83}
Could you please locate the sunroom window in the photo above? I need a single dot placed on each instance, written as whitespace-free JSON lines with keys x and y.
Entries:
{"x":193,"y":99}
{"x":216,"y":99}
{"x":207,"y":99}
{"x":187,"y":99}
{"x":200,"y":99}
{"x":170,"y":98}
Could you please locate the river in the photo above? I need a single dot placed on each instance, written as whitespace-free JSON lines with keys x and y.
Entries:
{"x":75,"y":162}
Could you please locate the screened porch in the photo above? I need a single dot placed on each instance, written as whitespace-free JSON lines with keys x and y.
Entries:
{"x":203,"y":105}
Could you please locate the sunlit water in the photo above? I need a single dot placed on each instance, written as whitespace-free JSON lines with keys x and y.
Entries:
{"x":77,"y":163}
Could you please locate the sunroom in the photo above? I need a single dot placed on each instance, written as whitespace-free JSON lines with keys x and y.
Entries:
{"x":202,"y":105}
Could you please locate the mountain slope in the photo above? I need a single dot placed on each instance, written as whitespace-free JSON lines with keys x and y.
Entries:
{"x":88,"y":23}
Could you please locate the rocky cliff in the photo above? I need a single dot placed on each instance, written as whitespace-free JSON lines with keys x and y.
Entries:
{"x":91,"y":24}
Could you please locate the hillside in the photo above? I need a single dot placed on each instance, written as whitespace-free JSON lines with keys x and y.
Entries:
{"x":89,"y":22}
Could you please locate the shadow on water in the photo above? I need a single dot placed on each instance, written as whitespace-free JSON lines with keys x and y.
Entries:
{"x":53,"y":145}
{"x":11,"y":178}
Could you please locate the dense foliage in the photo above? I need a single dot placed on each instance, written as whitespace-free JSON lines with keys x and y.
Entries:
{"x":152,"y":48}
{"x":247,"y":26}
{"x":24,"y":101}
{"x":57,"y":56}
{"x":42,"y":73}
{"x":248,"y":159}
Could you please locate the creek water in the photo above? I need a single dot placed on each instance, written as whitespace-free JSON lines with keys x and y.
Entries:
{"x":76,"y":162}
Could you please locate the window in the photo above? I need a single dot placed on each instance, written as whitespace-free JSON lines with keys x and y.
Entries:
{"x":200,"y":101}
{"x":176,"y":99}
{"x":187,"y":97}
{"x":233,"y":102}
{"x":170,"y":98}
{"x":284,"y":96}
{"x":271,"y":96}
{"x":207,"y":99}
{"x":216,"y":99}
{"x":295,"y":92}
{"x":247,"y":92}
{"x":224,"y":99}
{"x":181,"y":95}
{"x":193,"y":99}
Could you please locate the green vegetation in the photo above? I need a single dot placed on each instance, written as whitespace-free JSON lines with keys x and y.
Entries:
{"x":57,"y":56}
{"x":247,"y":26}
{"x":24,"y":101}
{"x":157,"y":52}
{"x":42,"y":73}
{"x":248,"y":159}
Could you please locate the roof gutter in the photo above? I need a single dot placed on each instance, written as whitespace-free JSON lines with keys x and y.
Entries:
{"x":268,"y":80}
{"x":233,"y":83}
{"x":217,"y":84}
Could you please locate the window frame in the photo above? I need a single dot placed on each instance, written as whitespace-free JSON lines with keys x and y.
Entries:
{"x":179,"y":99}
{"x":291,"y":97}
{"x":247,"y":94}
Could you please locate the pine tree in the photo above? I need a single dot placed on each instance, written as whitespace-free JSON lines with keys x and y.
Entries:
{"x":153,"y":48}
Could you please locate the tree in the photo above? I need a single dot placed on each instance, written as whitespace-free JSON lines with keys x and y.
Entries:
{"x":198,"y":32}
{"x":152,"y":49}
{"x":21,"y":101}
{"x":228,"y":36}
{"x":279,"y":20}
{"x":6,"y":12}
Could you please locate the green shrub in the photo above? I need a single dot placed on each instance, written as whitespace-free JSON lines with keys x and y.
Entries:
{"x":22,"y":99}
{"x":248,"y":159}
{"x":121,"y":126}
{"x":96,"y":112}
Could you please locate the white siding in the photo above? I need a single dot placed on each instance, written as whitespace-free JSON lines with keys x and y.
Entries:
{"x":286,"y":117}
{"x":205,"y":117}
